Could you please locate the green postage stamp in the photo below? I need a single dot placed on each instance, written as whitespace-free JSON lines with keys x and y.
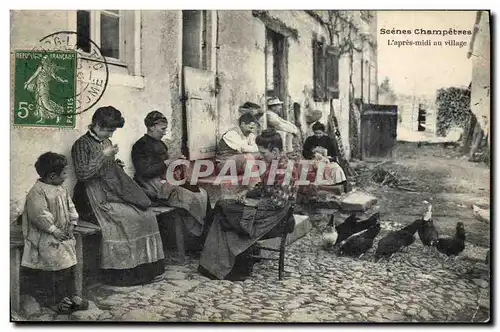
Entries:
{"x":45,"y":88}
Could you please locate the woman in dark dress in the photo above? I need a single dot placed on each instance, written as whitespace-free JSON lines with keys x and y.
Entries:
{"x":239,"y":223}
{"x":131,"y":247}
{"x":151,"y":160}
{"x":320,"y":148}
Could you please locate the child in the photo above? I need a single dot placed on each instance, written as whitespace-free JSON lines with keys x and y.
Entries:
{"x":49,"y":219}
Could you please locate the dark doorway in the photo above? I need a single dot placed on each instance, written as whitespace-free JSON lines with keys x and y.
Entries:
{"x":421,"y":117}
{"x":378,"y":130}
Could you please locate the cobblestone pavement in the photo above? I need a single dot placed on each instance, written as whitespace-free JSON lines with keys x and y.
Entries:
{"x":414,"y":286}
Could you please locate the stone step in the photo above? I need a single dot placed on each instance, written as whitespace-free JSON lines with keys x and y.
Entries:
{"x":302,"y":227}
{"x":357,"y":201}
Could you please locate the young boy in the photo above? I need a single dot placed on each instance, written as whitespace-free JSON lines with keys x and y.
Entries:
{"x":49,"y":219}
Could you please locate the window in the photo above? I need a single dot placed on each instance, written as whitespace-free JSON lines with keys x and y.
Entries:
{"x":197,"y":38}
{"x":275,"y":65}
{"x":103,"y":27}
{"x":326,"y":71}
{"x":319,"y":70}
{"x":332,"y":73}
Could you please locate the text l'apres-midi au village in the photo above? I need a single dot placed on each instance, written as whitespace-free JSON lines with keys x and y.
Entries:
{"x":423,"y":33}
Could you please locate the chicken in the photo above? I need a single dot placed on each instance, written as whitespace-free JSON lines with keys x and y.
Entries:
{"x":352,"y":226}
{"x":357,"y":245}
{"x":454,"y":245}
{"x":428,"y":233}
{"x":481,"y":214}
{"x":397,"y":240}
{"x":329,"y":237}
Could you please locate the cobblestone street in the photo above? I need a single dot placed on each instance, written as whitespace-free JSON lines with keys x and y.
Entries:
{"x":319,"y":287}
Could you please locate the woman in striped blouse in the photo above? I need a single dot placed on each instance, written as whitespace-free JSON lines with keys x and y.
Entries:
{"x":131,"y":248}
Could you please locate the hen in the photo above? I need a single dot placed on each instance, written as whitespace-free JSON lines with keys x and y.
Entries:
{"x":428,"y":233}
{"x":454,"y":245}
{"x":329,"y":238}
{"x":397,"y":240}
{"x":360,"y":243}
{"x":352,"y":226}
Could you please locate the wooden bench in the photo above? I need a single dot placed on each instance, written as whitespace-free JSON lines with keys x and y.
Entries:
{"x":16,"y":246}
{"x":83,"y":229}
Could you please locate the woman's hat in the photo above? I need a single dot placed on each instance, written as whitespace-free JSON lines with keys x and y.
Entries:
{"x":274,"y":101}
{"x":154,"y":118}
{"x":313,"y":116}
{"x":251,"y":108}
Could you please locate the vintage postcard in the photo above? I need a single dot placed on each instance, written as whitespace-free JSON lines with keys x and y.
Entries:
{"x":272,"y":166}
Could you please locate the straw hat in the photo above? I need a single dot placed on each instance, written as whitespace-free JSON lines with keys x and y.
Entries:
{"x":271,"y":101}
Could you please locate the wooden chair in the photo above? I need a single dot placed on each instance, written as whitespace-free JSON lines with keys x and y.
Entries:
{"x":281,"y":231}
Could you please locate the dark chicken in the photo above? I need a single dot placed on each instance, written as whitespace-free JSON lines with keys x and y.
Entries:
{"x":397,"y":240}
{"x":360,"y":243}
{"x":454,"y":245}
{"x":428,"y":233}
{"x":352,"y":226}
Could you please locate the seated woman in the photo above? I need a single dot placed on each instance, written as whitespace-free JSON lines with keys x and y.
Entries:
{"x":151,"y":159}
{"x":239,"y":223}
{"x":321,"y":149}
{"x":131,"y":248}
{"x":238,"y":144}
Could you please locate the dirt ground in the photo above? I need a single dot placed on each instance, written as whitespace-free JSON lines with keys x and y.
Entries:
{"x":448,"y":180}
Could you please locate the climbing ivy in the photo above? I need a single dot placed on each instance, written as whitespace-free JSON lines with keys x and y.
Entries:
{"x":453,"y":105}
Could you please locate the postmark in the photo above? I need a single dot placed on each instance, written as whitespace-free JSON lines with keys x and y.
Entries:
{"x":57,"y":80}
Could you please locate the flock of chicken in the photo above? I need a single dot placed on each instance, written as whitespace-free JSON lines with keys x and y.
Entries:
{"x":354,"y":237}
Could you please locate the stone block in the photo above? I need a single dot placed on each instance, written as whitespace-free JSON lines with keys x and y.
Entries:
{"x":357,"y":202}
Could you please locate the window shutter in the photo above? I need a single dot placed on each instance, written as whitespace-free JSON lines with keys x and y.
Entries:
{"x":319,"y":76}
{"x":332,"y":73}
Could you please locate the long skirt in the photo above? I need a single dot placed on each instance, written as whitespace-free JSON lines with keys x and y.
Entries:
{"x":235,"y":228}
{"x":138,"y":275}
{"x":194,"y":236}
{"x":131,"y":246}
{"x":194,"y":202}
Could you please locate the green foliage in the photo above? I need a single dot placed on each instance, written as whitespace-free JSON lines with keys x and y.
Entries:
{"x":453,"y":105}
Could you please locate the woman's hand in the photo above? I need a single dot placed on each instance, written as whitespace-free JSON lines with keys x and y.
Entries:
{"x":120,"y":163}
{"x":241,"y":197}
{"x":111,"y":150}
